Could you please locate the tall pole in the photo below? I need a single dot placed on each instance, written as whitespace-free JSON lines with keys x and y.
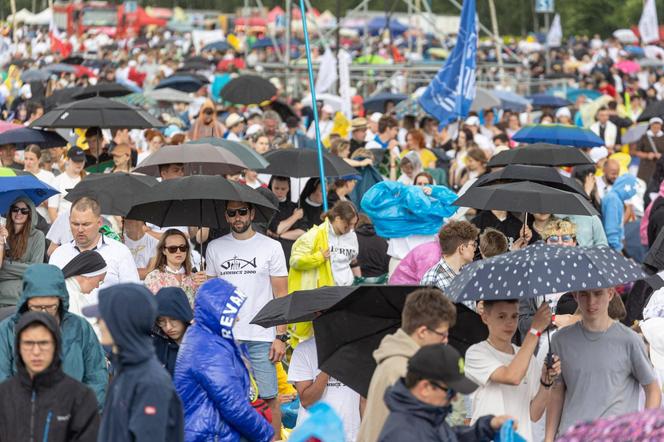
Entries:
{"x":287,"y":40}
{"x":12,"y":3}
{"x":497,"y":40}
{"x":547,"y":53}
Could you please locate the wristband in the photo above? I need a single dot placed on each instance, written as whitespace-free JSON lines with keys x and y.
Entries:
{"x":534,"y":331}
{"x":544,"y":384}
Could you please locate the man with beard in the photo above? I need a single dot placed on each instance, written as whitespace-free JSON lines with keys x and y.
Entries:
{"x":255,"y":264}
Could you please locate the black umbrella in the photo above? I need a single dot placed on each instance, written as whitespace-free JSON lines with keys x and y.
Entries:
{"x":468,"y":330}
{"x":108,"y":90}
{"x":538,"y":174}
{"x":74,"y":59}
{"x":61,"y":96}
{"x":250,"y":157}
{"x":198,"y":200}
{"x":115,"y":192}
{"x":525,"y":196}
{"x":542,"y":269}
{"x":198,"y":158}
{"x":24,"y":136}
{"x":300,"y":163}
{"x":541,"y":154}
{"x":60,"y":68}
{"x":654,"y":109}
{"x":184,"y":82}
{"x":283,"y":109}
{"x":97,"y":112}
{"x":248,"y":89}
{"x":37,"y":75}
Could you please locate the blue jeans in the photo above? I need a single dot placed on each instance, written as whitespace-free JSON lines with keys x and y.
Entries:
{"x":264,"y":371}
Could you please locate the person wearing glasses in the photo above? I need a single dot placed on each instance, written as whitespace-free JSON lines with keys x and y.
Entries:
{"x":21,"y":244}
{"x":255,"y":264}
{"x":65,"y":409}
{"x":511,"y":381}
{"x":420,"y":401}
{"x":175,"y":316}
{"x":45,"y":290}
{"x":206,"y":124}
{"x":173,"y":266}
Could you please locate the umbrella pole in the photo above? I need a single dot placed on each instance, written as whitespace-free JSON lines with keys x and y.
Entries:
{"x":312,"y":89}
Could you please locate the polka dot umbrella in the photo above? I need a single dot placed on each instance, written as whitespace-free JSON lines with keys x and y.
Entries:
{"x":542,"y":269}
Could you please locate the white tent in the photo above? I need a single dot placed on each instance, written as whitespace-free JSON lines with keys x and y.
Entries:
{"x":21,"y":16}
{"x":41,"y":19}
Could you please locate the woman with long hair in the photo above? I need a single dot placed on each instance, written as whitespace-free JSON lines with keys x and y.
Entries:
{"x":121,"y":159}
{"x":21,"y":245}
{"x":173,"y":266}
{"x":31,"y":158}
{"x":415,"y":142}
{"x":340,"y":189}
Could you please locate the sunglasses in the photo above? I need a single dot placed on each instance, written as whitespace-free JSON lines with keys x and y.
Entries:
{"x":208,"y":111}
{"x":560,"y":238}
{"x":437,"y":385}
{"x":244,"y":211}
{"x":174,"y":249}
{"x":23,"y":211}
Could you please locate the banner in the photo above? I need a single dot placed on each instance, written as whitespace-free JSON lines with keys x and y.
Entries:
{"x":648,"y":27}
{"x":555,"y":36}
{"x":327,"y":72}
{"x":451,"y":93}
{"x":344,"y":83}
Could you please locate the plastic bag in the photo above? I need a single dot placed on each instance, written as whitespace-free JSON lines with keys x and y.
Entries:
{"x":508,"y":433}
{"x":398,"y":210}
{"x":322,"y":424}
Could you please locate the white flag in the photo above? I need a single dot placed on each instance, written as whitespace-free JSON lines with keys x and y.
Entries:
{"x":555,"y":36}
{"x":648,"y":26}
{"x":327,"y":72}
{"x":344,"y":83}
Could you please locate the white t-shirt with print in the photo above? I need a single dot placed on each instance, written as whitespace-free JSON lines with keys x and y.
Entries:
{"x":343,"y":250}
{"x":498,"y":399}
{"x":343,"y":400}
{"x":248,"y":265}
{"x":143,"y":250}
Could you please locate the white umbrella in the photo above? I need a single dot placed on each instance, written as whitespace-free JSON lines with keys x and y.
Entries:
{"x":625,"y":36}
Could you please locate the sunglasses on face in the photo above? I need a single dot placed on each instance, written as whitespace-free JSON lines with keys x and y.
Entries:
{"x":560,"y":238}
{"x":174,"y":249}
{"x":244,"y":211}
{"x":22,"y":210}
{"x":208,"y":111}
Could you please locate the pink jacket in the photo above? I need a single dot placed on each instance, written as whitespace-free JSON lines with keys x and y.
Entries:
{"x":412,"y":268}
{"x":643,"y":231}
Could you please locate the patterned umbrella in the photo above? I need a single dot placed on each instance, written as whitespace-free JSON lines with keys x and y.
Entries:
{"x":647,"y":425}
{"x":561,"y":134}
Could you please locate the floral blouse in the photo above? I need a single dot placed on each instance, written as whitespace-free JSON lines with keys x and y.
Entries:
{"x":158,"y":279}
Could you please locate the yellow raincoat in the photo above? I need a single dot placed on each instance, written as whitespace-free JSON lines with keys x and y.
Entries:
{"x":309,"y":270}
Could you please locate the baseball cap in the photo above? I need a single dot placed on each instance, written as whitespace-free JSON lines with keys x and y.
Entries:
{"x":254,"y":129}
{"x":472,"y":121}
{"x":441,"y":362}
{"x":327,"y":108}
{"x":653,"y":331}
{"x":375,"y":117}
{"x":76,"y":154}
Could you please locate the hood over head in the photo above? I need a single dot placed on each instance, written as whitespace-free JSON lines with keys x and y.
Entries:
{"x":625,"y":186}
{"x":217,"y":305}
{"x":47,"y":321}
{"x":34,"y":217}
{"x":129,"y":311}
{"x":43,"y":280}
{"x":173,"y":302}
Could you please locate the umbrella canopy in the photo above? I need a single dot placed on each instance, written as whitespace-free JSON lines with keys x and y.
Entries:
{"x":545,"y":100}
{"x":108,"y":90}
{"x":628,"y":66}
{"x":646,"y":425}
{"x":378,"y":102}
{"x":541,"y":154}
{"x":511,"y":101}
{"x":300,"y":163}
{"x":97,"y":112}
{"x":539,"y":174}
{"x":61,"y":96}
{"x":634,"y":133}
{"x":248,"y":89}
{"x":591,"y":94}
{"x":561,"y":134}
{"x":182,"y":82}
{"x":198,"y":159}
{"x":198,"y":200}
{"x":37,"y":75}
{"x":283,"y":109}
{"x":169,"y":95}
{"x":542,"y":269}
{"x":24,"y":136}
{"x":219,"y":45}
{"x":484,"y":99}
{"x":7,"y":126}
{"x":60,"y":68}
{"x":525,"y":196}
{"x":115,"y":192}
{"x":28,"y":186}
{"x":655,"y":109}
{"x":248,"y":156}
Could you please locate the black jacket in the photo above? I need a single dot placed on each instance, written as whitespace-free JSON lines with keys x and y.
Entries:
{"x":413,"y":420}
{"x":172,"y":302}
{"x":51,"y":406}
{"x":656,"y":220}
{"x":372,"y":256}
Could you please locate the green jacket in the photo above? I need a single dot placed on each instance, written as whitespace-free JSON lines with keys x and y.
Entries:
{"x":82,"y":355}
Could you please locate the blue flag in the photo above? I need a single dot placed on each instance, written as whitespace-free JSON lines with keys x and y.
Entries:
{"x":450,"y":94}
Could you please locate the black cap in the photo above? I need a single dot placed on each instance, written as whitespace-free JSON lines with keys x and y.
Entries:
{"x":442,"y":363}
{"x":76,"y":154}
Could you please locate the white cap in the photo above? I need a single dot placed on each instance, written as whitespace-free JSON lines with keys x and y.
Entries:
{"x":563,"y":112}
{"x":472,"y":121}
{"x":233,"y":119}
{"x":254,"y":129}
{"x":598,"y":153}
{"x":375,"y":117}
{"x":655,"y":120}
{"x":653,"y":331}
{"x":327,"y":108}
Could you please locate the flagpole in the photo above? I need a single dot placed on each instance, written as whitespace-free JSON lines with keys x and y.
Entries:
{"x":319,"y":144}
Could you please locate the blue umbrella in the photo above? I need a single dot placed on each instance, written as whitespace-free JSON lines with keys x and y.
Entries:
{"x":558,"y":134}
{"x":544,"y":100}
{"x":378,"y":24}
{"x":635,"y":50}
{"x":13,"y":187}
{"x":25,"y":135}
{"x":542,"y":269}
{"x":377,"y":102}
{"x":590,"y":94}
{"x":184,"y":83}
{"x":511,"y":101}
{"x":220,"y":45}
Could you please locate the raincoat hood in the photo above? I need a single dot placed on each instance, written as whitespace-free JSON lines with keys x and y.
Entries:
{"x":47,"y":321}
{"x":43,"y":280}
{"x":415,"y":160}
{"x":34,"y":218}
{"x":129,"y":311}
{"x":217,"y":305}
{"x":625,"y":186}
{"x":397,"y":344}
{"x":399,"y":398}
{"x":173,"y":302}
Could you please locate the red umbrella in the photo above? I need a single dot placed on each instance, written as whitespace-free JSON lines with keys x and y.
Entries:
{"x":223,"y":65}
{"x":84,"y":70}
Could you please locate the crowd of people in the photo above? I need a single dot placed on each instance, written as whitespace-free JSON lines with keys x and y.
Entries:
{"x":117,"y":329}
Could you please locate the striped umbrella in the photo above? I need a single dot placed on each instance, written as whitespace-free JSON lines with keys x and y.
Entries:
{"x":561,"y":134}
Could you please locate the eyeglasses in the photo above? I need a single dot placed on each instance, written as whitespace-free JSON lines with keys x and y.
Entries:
{"x":22,"y":210}
{"x":41,"y":345}
{"x":244,"y":211}
{"x":553,"y":239}
{"x":442,"y":335}
{"x":174,"y":249}
{"x":52,"y":308}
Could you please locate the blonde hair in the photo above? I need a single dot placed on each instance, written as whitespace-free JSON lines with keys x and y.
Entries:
{"x":559,"y":226}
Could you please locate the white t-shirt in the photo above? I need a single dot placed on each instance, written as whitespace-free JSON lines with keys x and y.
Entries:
{"x":60,"y":231}
{"x":498,"y":399}
{"x":143,"y":250}
{"x":248,"y":265}
{"x":343,"y":250}
{"x":46,"y":177}
{"x":62,"y":183}
{"x":343,"y":400}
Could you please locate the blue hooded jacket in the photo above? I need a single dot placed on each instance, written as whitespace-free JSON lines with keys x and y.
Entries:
{"x":172,"y":302}
{"x":210,"y":374}
{"x":82,"y":354}
{"x":613,"y":210}
{"x":142,"y":404}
